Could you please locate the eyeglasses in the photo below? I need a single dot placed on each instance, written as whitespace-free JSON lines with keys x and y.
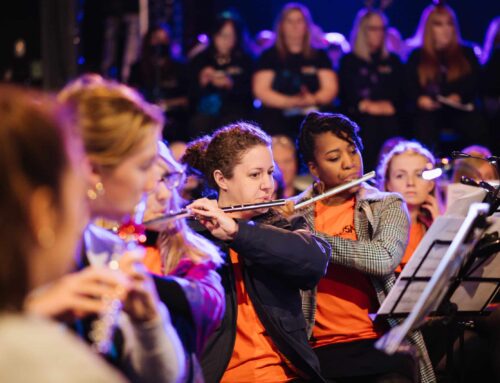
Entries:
{"x":173,"y":180}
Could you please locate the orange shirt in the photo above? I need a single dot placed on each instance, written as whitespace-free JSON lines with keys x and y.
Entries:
{"x":255,"y":358}
{"x":345,"y":296}
{"x":417,"y":232}
{"x":152,"y":261}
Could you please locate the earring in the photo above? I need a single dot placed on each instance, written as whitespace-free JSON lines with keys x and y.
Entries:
{"x":46,"y":237}
{"x":99,"y":190}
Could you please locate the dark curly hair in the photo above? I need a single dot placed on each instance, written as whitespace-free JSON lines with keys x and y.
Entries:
{"x":224,"y":149}
{"x":316,"y":123}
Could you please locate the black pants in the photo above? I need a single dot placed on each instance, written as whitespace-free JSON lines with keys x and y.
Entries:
{"x":360,"y":361}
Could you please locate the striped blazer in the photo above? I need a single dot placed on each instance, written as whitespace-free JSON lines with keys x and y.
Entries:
{"x":381,"y":222}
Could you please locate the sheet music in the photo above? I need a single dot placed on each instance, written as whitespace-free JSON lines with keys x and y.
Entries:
{"x":459,"y":197}
{"x":436,"y":288}
{"x":471,"y":296}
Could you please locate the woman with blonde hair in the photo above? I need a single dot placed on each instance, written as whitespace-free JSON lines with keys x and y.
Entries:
{"x":443,"y":83}
{"x":400,"y":171}
{"x":293,"y":76}
{"x":192,"y":289}
{"x":120,"y":133}
{"x":371,"y":81}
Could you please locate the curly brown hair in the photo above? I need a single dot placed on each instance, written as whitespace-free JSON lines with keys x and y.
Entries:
{"x":224,"y":149}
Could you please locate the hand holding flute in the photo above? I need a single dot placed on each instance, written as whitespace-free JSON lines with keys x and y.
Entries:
{"x":286,"y":207}
{"x":210,"y":215}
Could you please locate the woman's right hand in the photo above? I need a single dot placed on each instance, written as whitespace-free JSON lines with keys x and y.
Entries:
{"x":427,"y":103}
{"x":208,"y":213}
{"x":78,"y":294}
{"x":206,"y":75}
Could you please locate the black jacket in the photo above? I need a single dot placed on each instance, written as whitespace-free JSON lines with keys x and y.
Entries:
{"x":278,"y":262}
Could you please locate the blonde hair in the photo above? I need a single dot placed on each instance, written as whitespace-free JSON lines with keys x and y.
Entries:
{"x":359,"y":41}
{"x":178,"y":241}
{"x":413,"y":147}
{"x":113,"y":119}
{"x":307,"y":49}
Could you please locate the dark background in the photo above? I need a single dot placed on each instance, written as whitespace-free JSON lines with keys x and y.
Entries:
{"x":21,"y":19}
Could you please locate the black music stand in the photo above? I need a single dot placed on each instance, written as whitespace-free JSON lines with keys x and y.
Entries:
{"x":451,"y":275}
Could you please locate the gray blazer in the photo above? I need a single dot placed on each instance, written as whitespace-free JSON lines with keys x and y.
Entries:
{"x":382,"y":223}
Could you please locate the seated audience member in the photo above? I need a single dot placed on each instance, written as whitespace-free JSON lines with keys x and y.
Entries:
{"x":490,"y":82}
{"x":337,"y":46}
{"x":220,"y":78}
{"x":368,"y":233}
{"x":477,"y":169}
{"x":43,"y":214}
{"x":267,"y":261}
{"x":400,"y":171}
{"x":443,"y":84}
{"x":371,"y":83}
{"x":191,"y":288}
{"x":162,"y":79}
{"x":293,"y":76}
{"x":285,"y":157}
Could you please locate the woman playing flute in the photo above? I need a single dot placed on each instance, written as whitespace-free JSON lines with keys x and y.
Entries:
{"x":367,"y":231}
{"x":268,"y":260}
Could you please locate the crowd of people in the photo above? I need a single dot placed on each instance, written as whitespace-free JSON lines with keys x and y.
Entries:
{"x":433,"y":87}
{"x":121,"y":262}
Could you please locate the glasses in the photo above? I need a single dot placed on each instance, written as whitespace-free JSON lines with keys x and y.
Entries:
{"x":173,"y":180}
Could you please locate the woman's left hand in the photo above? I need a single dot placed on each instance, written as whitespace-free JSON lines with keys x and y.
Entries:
{"x":208,"y":213}
{"x":432,"y":206}
{"x":142,"y":302}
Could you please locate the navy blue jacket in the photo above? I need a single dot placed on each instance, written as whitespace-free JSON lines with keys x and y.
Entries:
{"x":278,"y":262}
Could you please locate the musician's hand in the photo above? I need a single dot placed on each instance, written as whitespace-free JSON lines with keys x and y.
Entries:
{"x":77,"y":295}
{"x":141,"y":302}
{"x":455,"y":97}
{"x":288,"y":209}
{"x":427,"y":103}
{"x":208,"y":213}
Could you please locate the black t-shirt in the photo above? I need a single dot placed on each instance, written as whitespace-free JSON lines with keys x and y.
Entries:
{"x":216,"y":101}
{"x":378,"y":79}
{"x":466,"y":86}
{"x":295,"y":70}
{"x":158,"y":83}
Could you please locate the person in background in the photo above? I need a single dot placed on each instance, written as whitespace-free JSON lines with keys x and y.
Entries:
{"x":220,"y":77}
{"x":285,"y":157}
{"x":443,"y":84}
{"x":162,"y":80}
{"x":268,"y":260}
{"x":400,"y":171}
{"x":490,"y":82}
{"x":336,"y":46}
{"x":43,"y":214}
{"x":120,"y":133}
{"x":367,"y":231}
{"x":120,"y":15}
{"x":191,"y":287}
{"x":477,"y":169}
{"x":371,"y":79}
{"x":293,"y":76}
